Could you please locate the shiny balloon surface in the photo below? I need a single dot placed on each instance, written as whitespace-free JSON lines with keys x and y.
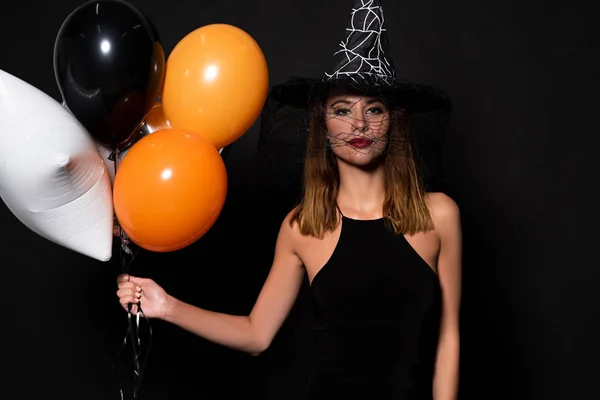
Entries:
{"x":109,"y":65}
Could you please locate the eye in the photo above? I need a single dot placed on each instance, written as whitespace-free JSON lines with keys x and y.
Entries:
{"x":375,"y":110}
{"x":341,"y":111}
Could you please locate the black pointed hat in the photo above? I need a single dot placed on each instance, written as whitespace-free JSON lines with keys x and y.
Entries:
{"x":363,"y":63}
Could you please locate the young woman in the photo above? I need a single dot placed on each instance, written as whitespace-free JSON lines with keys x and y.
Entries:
{"x":383,"y":257}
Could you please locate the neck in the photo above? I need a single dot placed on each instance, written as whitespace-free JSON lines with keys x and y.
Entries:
{"x":362,"y":190}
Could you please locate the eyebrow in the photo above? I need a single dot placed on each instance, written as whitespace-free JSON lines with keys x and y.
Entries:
{"x":344,"y":101}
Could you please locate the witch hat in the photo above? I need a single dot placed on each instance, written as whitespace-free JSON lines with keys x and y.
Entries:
{"x":364,"y":64}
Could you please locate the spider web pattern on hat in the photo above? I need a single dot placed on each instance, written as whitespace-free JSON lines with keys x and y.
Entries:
{"x":363,"y":51}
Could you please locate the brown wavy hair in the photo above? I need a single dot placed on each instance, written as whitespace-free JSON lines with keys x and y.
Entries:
{"x":405,"y":207}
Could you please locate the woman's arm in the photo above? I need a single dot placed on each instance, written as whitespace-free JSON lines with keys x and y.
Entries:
{"x":447,"y":220}
{"x":253,"y":333}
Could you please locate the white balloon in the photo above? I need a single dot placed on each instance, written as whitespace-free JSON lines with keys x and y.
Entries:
{"x":52,"y":177}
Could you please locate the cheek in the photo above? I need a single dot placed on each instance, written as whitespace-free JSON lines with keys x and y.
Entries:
{"x":337,"y":127}
{"x":380,"y":128}
{"x":381,"y":133}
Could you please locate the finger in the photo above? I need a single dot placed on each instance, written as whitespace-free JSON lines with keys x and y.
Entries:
{"x":122,"y":278}
{"x":129,"y":286}
{"x":133,"y":308}
{"x":138,"y":281}
{"x":121,"y":293}
{"x":126,"y":300}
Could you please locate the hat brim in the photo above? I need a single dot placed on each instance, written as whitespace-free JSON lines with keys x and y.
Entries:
{"x":414,"y":97}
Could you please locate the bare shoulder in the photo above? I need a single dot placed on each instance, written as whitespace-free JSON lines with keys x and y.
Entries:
{"x":444,"y":212}
{"x":290,"y":230}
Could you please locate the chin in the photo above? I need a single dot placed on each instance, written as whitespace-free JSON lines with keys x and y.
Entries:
{"x":359,"y":159}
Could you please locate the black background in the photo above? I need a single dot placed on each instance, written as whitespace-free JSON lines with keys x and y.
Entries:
{"x":521,"y":162}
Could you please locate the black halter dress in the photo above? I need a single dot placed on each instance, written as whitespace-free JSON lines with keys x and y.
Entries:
{"x":376,"y":306}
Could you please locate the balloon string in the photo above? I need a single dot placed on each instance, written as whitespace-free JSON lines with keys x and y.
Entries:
{"x":139,"y":365}
{"x":115,"y":154}
{"x":126,"y":253}
{"x":127,"y":256}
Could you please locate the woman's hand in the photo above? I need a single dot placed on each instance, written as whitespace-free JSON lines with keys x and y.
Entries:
{"x":143,"y":292}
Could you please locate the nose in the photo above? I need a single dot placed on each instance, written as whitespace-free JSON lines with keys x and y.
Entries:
{"x":360,"y":121}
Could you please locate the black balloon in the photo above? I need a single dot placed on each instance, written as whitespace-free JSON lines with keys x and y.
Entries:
{"x":109,"y":66}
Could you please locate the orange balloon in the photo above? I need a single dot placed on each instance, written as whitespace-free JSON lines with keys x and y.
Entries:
{"x":169,"y":190}
{"x":216,"y":83}
{"x":155,"y":119}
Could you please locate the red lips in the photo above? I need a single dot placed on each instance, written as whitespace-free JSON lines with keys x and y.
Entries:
{"x":360,"y":143}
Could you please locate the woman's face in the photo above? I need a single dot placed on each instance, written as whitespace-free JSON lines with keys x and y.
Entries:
{"x":357,"y":127}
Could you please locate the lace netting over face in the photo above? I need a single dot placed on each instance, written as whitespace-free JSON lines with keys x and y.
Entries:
{"x":284,"y":130}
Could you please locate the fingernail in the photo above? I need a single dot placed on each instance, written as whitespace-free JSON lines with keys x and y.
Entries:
{"x":138,"y":288}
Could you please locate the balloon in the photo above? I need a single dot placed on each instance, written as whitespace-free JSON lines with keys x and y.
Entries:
{"x":108,"y":155}
{"x":51,"y":175}
{"x":216,"y":83}
{"x":154,"y":121}
{"x":109,"y":66}
{"x":169,"y":190}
